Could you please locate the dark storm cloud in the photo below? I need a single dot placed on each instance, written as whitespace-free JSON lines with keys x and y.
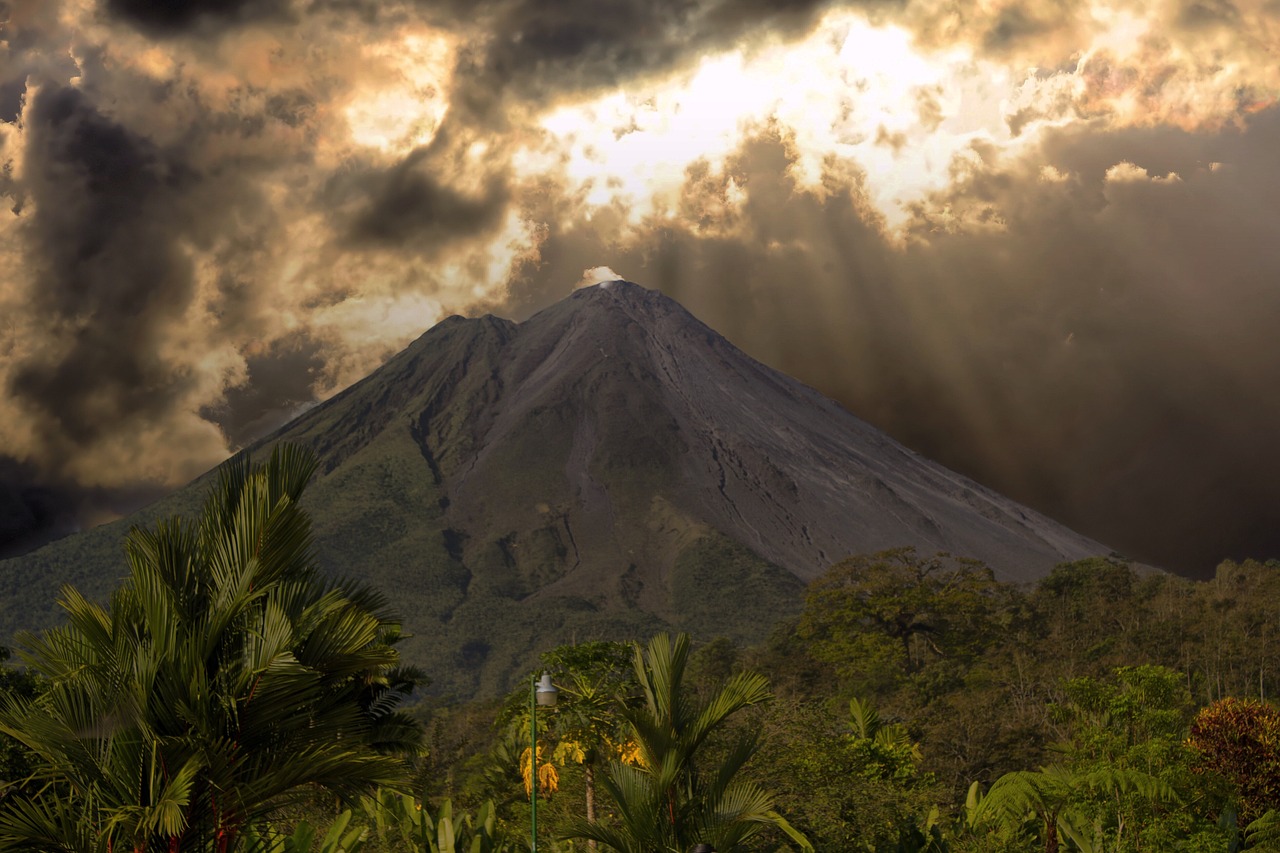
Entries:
{"x":36,"y":508}
{"x":529,"y":48}
{"x":120,"y":338}
{"x":1107,"y":355}
{"x":410,"y":207}
{"x":109,"y":277}
{"x":165,"y":17}
{"x":26,"y":31}
{"x":25,"y":508}
{"x":11,"y":95}
{"x":279,"y":381}
{"x":417,"y":212}
{"x":545,"y":49}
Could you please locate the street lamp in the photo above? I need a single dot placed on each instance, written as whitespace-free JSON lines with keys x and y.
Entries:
{"x":542,"y":692}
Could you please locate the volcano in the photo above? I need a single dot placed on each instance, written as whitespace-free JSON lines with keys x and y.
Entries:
{"x":608,"y":468}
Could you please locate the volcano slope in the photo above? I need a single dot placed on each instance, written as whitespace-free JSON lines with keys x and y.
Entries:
{"x":608,"y":468}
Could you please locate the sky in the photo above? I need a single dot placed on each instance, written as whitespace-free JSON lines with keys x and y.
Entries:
{"x":1036,"y":240}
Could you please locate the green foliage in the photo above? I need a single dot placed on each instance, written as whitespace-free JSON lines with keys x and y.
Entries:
{"x":1119,"y":718}
{"x":1051,"y":804}
{"x":1094,"y":674}
{"x":1240,"y":616}
{"x":584,"y":730}
{"x":223,"y":680}
{"x":713,"y":563}
{"x":1263,"y":833}
{"x":597,"y":685}
{"x":388,"y":822}
{"x":15,"y":758}
{"x":669,"y":802}
{"x":1124,"y":779}
{"x":849,"y":783}
{"x":893,"y":617}
{"x":886,"y":750}
{"x":1095,"y":671}
{"x":399,"y":822}
{"x":339,"y":839}
{"x":455,"y":761}
{"x":597,"y":682}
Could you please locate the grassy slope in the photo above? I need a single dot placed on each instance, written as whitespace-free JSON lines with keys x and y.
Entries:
{"x":93,"y":562}
{"x":378,"y":518}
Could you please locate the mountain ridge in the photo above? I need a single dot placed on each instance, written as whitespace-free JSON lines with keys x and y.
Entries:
{"x":610,"y":466}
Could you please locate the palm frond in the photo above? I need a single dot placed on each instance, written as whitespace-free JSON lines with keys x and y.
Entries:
{"x":222,"y":680}
{"x":665,"y":804}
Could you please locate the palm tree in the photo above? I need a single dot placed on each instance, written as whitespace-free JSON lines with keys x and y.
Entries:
{"x":223,"y":680}
{"x":668,"y":802}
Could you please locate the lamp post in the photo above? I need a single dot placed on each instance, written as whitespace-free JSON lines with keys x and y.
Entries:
{"x":541,"y":692}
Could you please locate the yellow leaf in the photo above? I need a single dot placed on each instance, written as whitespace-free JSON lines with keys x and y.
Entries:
{"x":548,"y":778}
{"x":629,"y":753}
{"x":526,"y":768}
{"x":569,"y":751}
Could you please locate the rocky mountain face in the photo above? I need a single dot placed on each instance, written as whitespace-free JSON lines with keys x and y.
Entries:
{"x":609,"y":467}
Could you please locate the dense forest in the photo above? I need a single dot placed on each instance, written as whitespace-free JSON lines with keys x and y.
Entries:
{"x":229,"y":698}
{"x":918,"y":704}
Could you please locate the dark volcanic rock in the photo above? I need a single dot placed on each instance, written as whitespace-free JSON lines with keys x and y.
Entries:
{"x":609,"y":467}
{"x":621,"y":386}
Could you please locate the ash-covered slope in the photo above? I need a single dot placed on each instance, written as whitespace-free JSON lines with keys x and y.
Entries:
{"x":611,"y":466}
{"x":647,"y":411}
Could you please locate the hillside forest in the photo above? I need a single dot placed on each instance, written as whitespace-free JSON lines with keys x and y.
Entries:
{"x":229,"y":697}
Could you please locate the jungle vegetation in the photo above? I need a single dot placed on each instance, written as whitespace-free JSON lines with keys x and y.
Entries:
{"x":229,"y":697}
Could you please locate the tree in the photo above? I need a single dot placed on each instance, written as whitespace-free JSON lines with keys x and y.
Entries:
{"x":584,"y":729}
{"x":596,"y":686}
{"x":222,"y":680}
{"x":849,"y":783}
{"x":15,"y":759}
{"x":668,"y":802}
{"x":1137,"y":721}
{"x":892,"y":616}
{"x":1241,"y":626}
{"x":887,"y":748}
{"x":1239,"y":739}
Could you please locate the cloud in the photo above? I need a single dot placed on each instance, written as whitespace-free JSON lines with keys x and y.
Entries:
{"x":163,"y":17}
{"x":278,"y":385}
{"x":1099,"y":345}
{"x":596,"y":275}
{"x":227,"y":209}
{"x":107,"y":278}
{"x":1156,"y":266}
{"x":410,"y":207}
{"x":546,"y":48}
{"x":175,"y":217}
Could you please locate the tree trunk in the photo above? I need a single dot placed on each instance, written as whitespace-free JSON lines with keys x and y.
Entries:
{"x":1051,"y":836}
{"x":590,"y":778}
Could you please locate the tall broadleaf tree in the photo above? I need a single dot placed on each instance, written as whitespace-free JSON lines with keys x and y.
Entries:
{"x":224,"y":679}
{"x":891,"y":618}
{"x":597,"y":682}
